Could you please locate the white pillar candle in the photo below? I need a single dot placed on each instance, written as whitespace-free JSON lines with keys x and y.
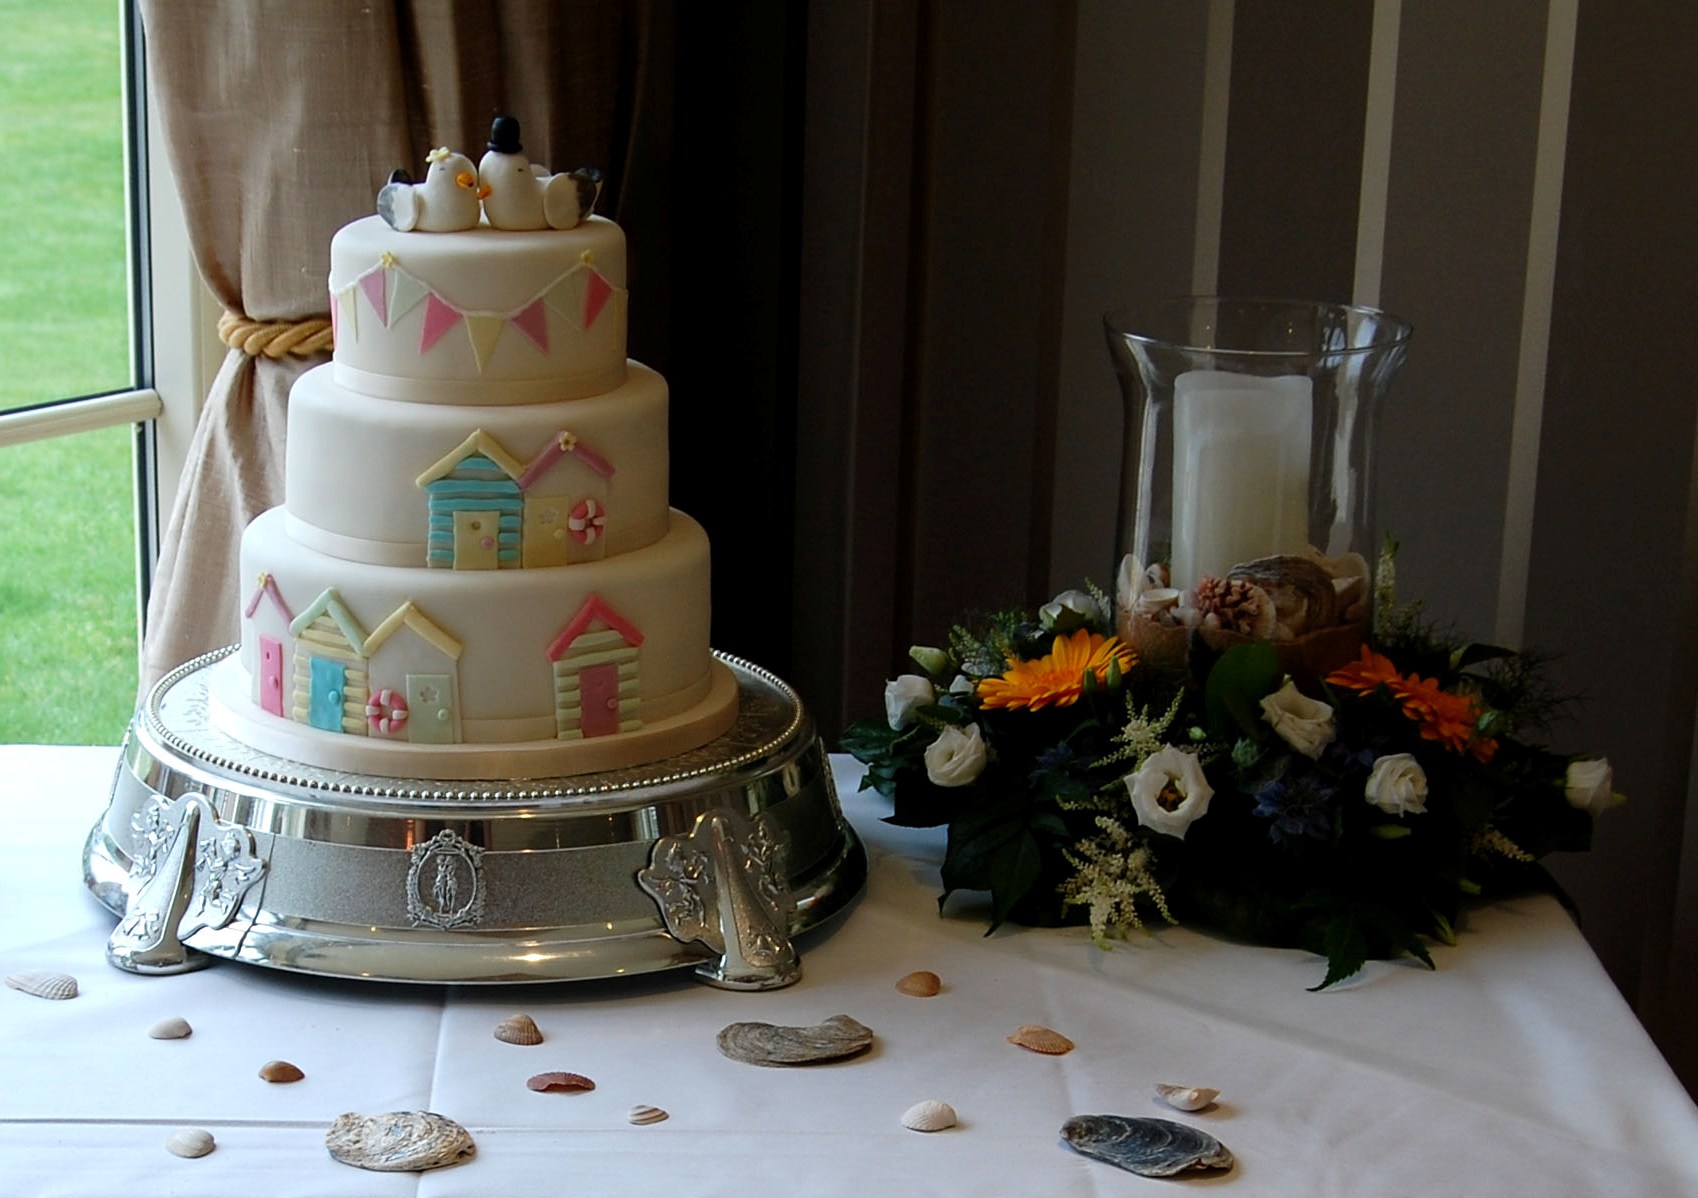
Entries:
{"x":1240,"y":470}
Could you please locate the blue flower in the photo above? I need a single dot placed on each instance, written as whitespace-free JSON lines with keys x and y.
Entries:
{"x":1295,"y":805}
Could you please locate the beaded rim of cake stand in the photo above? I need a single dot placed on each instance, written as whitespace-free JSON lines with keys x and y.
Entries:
{"x":370,"y":787}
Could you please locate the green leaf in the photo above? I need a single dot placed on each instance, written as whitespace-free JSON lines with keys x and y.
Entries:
{"x":1346,"y":949}
{"x":1235,"y":688}
{"x":1390,"y":831}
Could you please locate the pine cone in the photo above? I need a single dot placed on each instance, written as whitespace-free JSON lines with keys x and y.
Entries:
{"x":1236,"y":606}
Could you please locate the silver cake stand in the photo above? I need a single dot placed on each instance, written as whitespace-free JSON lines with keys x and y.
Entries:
{"x":714,"y":859}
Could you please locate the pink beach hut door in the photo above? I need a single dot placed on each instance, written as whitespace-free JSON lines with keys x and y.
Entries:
{"x":271,"y":675}
{"x":599,"y":685}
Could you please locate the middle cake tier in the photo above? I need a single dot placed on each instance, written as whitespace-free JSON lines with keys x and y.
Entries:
{"x":381,"y":480}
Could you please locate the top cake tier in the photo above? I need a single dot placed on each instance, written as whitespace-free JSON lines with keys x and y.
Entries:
{"x":480,"y":316}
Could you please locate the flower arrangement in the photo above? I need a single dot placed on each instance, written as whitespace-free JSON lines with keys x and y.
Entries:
{"x":1352,"y":816}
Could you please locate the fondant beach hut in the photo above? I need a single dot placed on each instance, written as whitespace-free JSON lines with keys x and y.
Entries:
{"x":270,"y":617}
{"x":595,"y":673}
{"x":414,"y":693}
{"x":330,"y":686}
{"x":475,"y":506}
{"x":565,"y":488}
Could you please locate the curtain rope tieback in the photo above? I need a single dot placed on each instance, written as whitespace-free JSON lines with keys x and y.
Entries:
{"x":276,"y":338}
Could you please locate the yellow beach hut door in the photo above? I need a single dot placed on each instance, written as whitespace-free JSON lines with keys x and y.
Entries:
{"x":477,"y":541}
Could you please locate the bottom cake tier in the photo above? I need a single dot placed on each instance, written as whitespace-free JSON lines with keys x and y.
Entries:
{"x":415,"y":672}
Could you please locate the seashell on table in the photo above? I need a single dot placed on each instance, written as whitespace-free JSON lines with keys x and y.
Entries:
{"x":1047,"y":1041}
{"x":930,"y":1114}
{"x":1147,"y":1147}
{"x":44,"y":983}
{"x":642,"y":1114}
{"x":518,"y":1029}
{"x":398,"y":1141}
{"x":1186,"y":1098}
{"x":557,"y":1082}
{"x":773,"y":1044}
{"x":922,"y":983}
{"x":190,"y":1142}
{"x":281,"y":1072}
{"x":173,"y":1028}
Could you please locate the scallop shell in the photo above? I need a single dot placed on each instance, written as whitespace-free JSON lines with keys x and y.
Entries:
{"x":44,"y":983}
{"x":771,"y":1044}
{"x":190,"y":1142}
{"x":929,"y":1115}
{"x":1185,"y":1098}
{"x":518,"y":1029}
{"x":1041,"y":1039}
{"x":1301,"y":591}
{"x":1147,"y":1147}
{"x":174,"y":1028}
{"x":281,"y":1072}
{"x":399,"y":1141}
{"x":642,"y":1114}
{"x":556,"y":1081}
{"x":922,"y":983}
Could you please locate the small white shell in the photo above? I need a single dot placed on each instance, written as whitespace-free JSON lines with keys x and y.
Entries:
{"x":1156,"y":600}
{"x":929,"y":1115}
{"x":44,"y":983}
{"x":643,"y":1113}
{"x":174,"y":1028}
{"x":190,"y":1142}
{"x":1186,"y":1098}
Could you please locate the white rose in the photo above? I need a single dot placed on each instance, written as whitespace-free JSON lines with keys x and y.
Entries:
{"x":956,"y":757}
{"x":1590,"y":785}
{"x":902,"y":696}
{"x":1169,"y":791}
{"x":1303,"y":723}
{"x":1070,"y":610}
{"x":1397,"y":785}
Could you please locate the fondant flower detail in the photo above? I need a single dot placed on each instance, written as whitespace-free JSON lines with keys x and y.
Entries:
{"x":1590,"y":785}
{"x":902,"y":695}
{"x":956,"y":757}
{"x":1397,"y":785}
{"x":588,"y":521}
{"x":1169,"y":791}
{"x":1305,"y":724}
{"x":1057,"y":678}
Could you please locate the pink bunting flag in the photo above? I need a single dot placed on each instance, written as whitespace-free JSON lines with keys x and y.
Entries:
{"x":532,"y":321}
{"x":597,"y":291}
{"x":438,"y":319}
{"x":373,"y":284}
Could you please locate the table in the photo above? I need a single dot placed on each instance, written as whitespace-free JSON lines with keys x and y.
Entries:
{"x":1515,"y":1069}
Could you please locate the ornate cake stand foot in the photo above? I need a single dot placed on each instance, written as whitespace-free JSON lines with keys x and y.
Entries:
{"x":724,"y":884}
{"x":146,"y":940}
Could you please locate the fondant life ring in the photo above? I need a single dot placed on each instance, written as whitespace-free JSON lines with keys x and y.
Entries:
{"x":588,"y":521}
{"x":386,"y":712}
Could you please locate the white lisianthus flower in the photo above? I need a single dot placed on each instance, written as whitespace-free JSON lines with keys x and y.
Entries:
{"x":956,"y":757}
{"x":1169,"y":791}
{"x":1397,"y":785}
{"x":1070,"y":610}
{"x":904,"y":694}
{"x":1305,"y":724}
{"x":1590,"y":785}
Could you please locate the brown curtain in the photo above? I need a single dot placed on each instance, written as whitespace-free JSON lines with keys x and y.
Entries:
{"x":282,"y":119}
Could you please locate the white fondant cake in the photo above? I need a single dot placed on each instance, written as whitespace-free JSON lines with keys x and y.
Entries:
{"x":475,"y":572}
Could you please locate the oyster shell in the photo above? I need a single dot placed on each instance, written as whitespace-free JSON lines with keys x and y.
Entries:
{"x":1044,"y":1040}
{"x":398,"y":1141}
{"x":281,"y":1072}
{"x":174,"y":1028}
{"x":44,"y":983}
{"x":518,"y":1029}
{"x":922,"y":983}
{"x":557,"y":1082}
{"x":1186,"y":1098}
{"x":772,"y":1044}
{"x":1147,"y":1147}
{"x":190,"y":1142}
{"x":929,"y":1115}
{"x":643,"y":1114}
{"x":1301,"y":591}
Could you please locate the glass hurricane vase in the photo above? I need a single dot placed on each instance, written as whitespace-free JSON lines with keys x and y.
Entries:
{"x":1247,"y":482}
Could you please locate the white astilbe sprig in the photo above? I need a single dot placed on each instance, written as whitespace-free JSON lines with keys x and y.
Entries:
{"x":1143,"y":734}
{"x":1111,"y":873}
{"x":1490,"y":840}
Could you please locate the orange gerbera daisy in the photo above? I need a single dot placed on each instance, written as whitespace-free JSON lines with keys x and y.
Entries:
{"x":1367,"y":674}
{"x":1444,"y":717}
{"x":1057,"y":678}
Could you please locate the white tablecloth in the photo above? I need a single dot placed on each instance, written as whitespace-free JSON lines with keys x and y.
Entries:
{"x":1516,"y":1069}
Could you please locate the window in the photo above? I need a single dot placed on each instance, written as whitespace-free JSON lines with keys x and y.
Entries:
{"x":90,"y":416}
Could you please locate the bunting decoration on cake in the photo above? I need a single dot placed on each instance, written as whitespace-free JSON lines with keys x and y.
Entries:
{"x":580,"y":296}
